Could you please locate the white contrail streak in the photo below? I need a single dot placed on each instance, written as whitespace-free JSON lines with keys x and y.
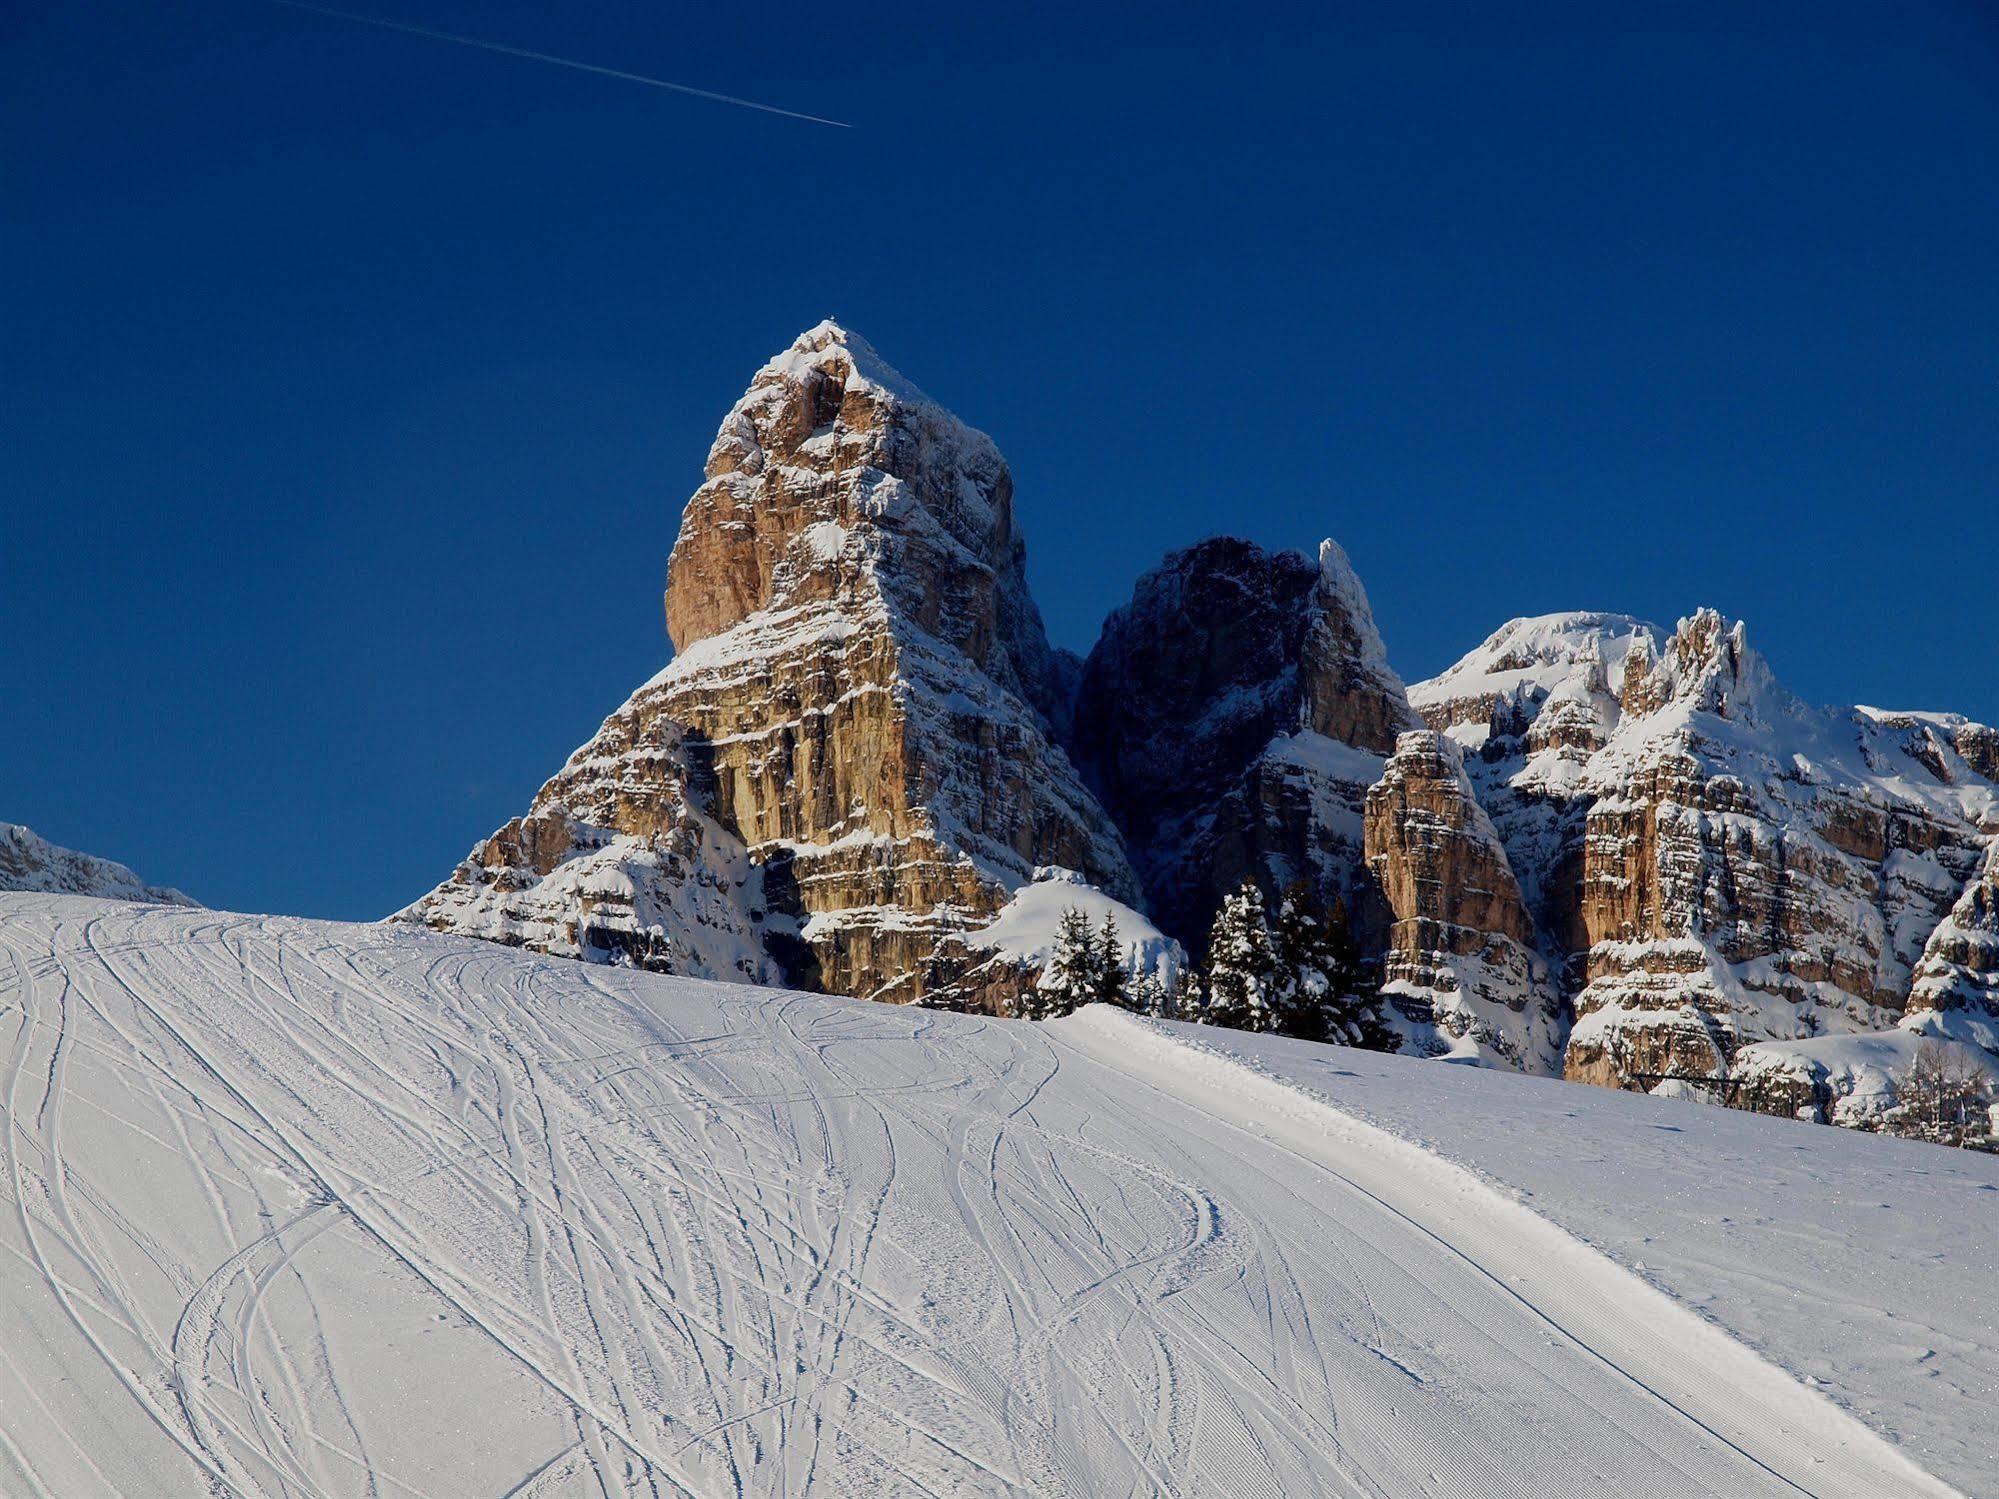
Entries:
{"x":561,"y":62}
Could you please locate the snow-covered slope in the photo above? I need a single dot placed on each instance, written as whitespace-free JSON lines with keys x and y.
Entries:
{"x":1862,"y":1264}
{"x":299,"y":1209}
{"x":29,"y":861}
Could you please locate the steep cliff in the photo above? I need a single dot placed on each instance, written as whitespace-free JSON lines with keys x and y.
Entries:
{"x":1774,"y":867}
{"x":852,"y":755}
{"x":1232,"y":716}
{"x":1461,"y":971}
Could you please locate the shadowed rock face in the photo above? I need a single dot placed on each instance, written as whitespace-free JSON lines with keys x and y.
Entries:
{"x":1232,"y":716}
{"x":856,"y":735}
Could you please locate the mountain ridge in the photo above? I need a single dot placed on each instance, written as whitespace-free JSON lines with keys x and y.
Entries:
{"x":1591,"y":847}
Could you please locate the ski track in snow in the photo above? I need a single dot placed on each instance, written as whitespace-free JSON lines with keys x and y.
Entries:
{"x":309,"y":1209}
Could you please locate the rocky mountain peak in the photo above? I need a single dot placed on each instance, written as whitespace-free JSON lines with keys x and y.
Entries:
{"x":835,"y":479}
{"x":1707,"y":666}
{"x":1351,"y":693}
{"x":852,"y":759}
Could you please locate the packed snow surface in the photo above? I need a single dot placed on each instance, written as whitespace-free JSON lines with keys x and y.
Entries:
{"x":1863,"y":1264}
{"x":300,"y":1208}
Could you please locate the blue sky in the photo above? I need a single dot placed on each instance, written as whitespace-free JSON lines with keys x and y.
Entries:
{"x":351,"y":383}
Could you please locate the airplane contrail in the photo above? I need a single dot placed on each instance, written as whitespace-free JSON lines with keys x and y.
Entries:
{"x":563,"y":62}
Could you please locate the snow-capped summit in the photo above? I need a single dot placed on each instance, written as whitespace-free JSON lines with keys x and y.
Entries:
{"x":1714,"y":862}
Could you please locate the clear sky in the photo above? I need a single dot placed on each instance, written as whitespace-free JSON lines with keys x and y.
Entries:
{"x":351,"y":383}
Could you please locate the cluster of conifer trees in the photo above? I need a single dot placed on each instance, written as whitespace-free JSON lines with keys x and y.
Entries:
{"x":1298,"y":974}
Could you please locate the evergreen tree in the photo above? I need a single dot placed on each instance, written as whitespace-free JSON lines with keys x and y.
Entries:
{"x":1112,"y":971}
{"x":1074,"y":974}
{"x":1303,"y":981}
{"x":1242,"y":964}
{"x":1146,"y":995}
{"x":1318,"y":982}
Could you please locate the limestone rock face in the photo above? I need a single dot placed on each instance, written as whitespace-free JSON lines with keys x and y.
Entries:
{"x":1529,"y":708}
{"x":614,"y":862}
{"x":1232,"y":716}
{"x":30,"y":862}
{"x":1777,"y":867}
{"x":1461,"y":966}
{"x":854,"y":752}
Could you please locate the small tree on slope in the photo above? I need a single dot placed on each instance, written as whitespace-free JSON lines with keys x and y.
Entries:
{"x":1242,"y":965}
{"x":1074,"y":974}
{"x":1112,"y":972}
{"x":1940,"y":1095}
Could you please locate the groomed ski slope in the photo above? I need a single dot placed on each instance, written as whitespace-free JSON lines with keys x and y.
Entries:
{"x":299,"y":1208}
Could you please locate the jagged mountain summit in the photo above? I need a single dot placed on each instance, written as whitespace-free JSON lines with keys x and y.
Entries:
{"x":854,"y":758}
{"x":1592,"y":848}
{"x":29,"y":862}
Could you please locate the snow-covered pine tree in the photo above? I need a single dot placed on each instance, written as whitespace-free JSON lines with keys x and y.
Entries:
{"x":1242,"y":964}
{"x":1112,"y":972}
{"x":1073,"y":975}
{"x":1302,"y":981}
{"x":1319,"y":981}
{"x":1146,"y":995}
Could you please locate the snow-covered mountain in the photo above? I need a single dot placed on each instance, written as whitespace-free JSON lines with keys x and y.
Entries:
{"x":300,"y":1208}
{"x":1592,"y":847}
{"x":30,"y":862}
{"x":1714,"y":864}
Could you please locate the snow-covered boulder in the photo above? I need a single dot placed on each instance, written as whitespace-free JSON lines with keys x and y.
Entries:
{"x":30,"y":862}
{"x":1024,"y":932}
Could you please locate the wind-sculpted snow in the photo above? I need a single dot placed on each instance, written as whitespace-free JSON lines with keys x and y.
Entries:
{"x":307,"y":1209}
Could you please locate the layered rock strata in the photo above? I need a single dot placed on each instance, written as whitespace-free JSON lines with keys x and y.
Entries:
{"x":1715,"y":863}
